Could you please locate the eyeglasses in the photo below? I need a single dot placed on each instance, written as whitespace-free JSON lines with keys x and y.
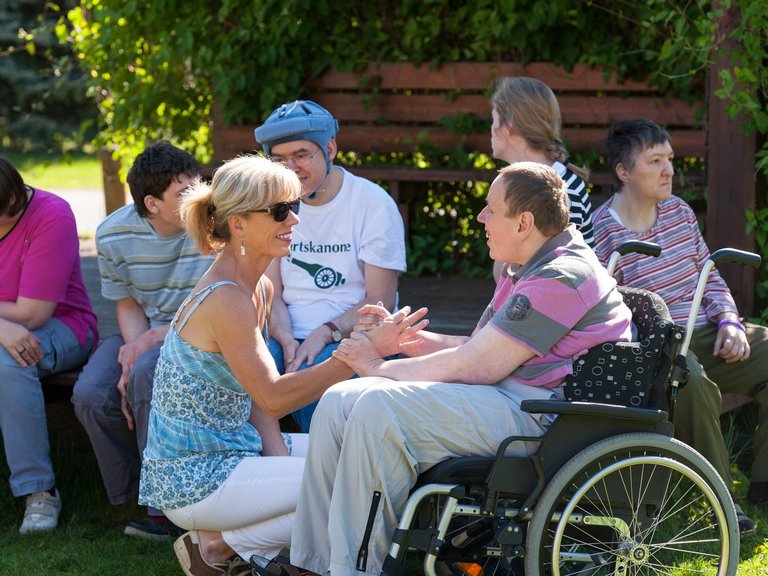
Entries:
{"x":281,"y":210}
{"x":300,"y":159}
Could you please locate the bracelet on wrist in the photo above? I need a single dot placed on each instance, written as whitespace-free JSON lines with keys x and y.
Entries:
{"x":736,"y":323}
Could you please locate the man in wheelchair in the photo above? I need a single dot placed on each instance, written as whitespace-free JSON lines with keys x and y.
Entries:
{"x":453,"y":396}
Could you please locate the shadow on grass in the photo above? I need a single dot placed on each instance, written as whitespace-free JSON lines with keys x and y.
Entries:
{"x":90,"y":540}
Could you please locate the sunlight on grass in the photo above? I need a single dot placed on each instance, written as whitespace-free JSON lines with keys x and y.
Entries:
{"x":757,"y":564}
{"x":71,"y":172}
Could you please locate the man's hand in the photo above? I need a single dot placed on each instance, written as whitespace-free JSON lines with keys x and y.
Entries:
{"x":127,"y":357}
{"x":369,"y":316}
{"x":731,"y":344}
{"x":21,"y":344}
{"x":122,"y":386}
{"x":359,"y":353}
{"x":290,"y":347}
{"x":308,"y":350}
{"x":391,"y":333}
{"x":129,"y":354}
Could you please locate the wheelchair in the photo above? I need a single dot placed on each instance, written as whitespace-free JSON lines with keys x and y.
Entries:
{"x":606,"y":490}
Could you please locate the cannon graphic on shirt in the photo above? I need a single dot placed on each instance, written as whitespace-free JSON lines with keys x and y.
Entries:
{"x":324,"y":276}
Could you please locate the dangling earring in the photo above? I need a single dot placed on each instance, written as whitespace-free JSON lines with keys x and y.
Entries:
{"x":242,"y":247}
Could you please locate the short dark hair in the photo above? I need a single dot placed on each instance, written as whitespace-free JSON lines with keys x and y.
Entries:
{"x":536,"y":188}
{"x":13,"y":191}
{"x":155,"y":169}
{"x":626,"y":140}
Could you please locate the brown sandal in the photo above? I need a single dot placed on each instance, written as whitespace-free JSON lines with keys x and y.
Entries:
{"x":190,"y":556}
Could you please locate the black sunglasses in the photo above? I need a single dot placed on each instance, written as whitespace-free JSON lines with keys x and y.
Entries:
{"x":280,"y":210}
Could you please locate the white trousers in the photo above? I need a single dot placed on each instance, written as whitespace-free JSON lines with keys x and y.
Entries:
{"x":254,"y":508}
{"x":369,"y":440}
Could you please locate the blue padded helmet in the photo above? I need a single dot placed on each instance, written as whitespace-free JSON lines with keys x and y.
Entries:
{"x":299,"y":120}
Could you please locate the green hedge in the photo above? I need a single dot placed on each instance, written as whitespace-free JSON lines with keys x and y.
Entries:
{"x":156,"y":67}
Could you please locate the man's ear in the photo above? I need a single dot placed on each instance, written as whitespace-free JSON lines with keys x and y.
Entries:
{"x":332,"y":149}
{"x":150,"y":203}
{"x":526,"y":224}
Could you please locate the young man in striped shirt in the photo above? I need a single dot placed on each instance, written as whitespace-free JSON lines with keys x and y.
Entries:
{"x":148,"y":265}
{"x":724,"y":353}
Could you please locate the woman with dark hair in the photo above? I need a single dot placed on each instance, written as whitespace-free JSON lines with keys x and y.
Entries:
{"x":725,"y":354}
{"x":47,"y":325}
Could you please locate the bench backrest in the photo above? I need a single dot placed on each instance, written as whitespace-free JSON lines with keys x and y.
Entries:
{"x":396,"y":107}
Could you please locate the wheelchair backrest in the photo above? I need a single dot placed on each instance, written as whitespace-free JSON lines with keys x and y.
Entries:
{"x":629,"y":373}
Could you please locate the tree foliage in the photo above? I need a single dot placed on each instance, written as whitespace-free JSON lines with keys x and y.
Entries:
{"x":156,"y":67}
{"x":43,"y":106}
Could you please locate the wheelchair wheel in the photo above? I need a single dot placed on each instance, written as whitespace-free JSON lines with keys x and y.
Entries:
{"x":634,"y":504}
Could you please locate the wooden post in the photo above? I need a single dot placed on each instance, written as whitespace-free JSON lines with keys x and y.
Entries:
{"x":114,"y":189}
{"x":730,"y":167}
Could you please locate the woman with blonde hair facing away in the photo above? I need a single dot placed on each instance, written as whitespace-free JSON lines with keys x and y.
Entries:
{"x":217,"y":394}
{"x":527,"y":127}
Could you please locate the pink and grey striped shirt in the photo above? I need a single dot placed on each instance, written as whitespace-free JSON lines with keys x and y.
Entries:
{"x":560,"y":304}
{"x":673,"y":274}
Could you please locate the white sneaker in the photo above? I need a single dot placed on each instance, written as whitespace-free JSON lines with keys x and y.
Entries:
{"x":42,"y":512}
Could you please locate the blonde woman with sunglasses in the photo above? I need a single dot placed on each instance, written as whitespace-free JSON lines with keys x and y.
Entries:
{"x":218,"y":395}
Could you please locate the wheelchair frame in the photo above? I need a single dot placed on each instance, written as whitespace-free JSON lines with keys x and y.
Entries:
{"x":606,"y":490}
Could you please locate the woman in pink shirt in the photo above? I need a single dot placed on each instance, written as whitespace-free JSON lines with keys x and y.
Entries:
{"x":47,"y":325}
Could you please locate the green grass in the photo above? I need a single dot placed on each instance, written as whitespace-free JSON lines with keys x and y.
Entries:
{"x":56,"y":172}
{"x":90,"y":540}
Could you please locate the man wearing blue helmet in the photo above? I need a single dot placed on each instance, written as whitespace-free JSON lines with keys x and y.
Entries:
{"x":346,"y":251}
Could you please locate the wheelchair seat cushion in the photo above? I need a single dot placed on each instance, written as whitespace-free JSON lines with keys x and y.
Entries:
{"x":626,"y":373}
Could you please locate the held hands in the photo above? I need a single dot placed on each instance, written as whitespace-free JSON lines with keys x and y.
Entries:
{"x":731,"y":344}
{"x":391,"y":333}
{"x":359,"y":353}
{"x":21,"y":344}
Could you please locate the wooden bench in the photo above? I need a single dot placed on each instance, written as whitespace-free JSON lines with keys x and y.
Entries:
{"x":64,"y":380}
{"x":397,"y":107}
{"x":67,"y":378}
{"x":401,"y":108}
{"x":58,"y":387}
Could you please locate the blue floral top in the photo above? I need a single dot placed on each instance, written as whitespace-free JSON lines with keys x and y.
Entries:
{"x":198,"y":424}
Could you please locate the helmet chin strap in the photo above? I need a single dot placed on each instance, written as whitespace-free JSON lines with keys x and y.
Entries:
{"x":312,"y":195}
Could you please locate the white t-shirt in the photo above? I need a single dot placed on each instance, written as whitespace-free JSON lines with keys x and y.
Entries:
{"x":323,"y":276}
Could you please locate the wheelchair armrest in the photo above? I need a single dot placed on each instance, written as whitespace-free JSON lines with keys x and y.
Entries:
{"x":593,"y":409}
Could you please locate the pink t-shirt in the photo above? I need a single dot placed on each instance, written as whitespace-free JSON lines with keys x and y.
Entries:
{"x":40,"y":259}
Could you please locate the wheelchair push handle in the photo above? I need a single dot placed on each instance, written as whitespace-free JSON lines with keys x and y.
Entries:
{"x":737,"y":256}
{"x":718,"y":257}
{"x":647,"y":248}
